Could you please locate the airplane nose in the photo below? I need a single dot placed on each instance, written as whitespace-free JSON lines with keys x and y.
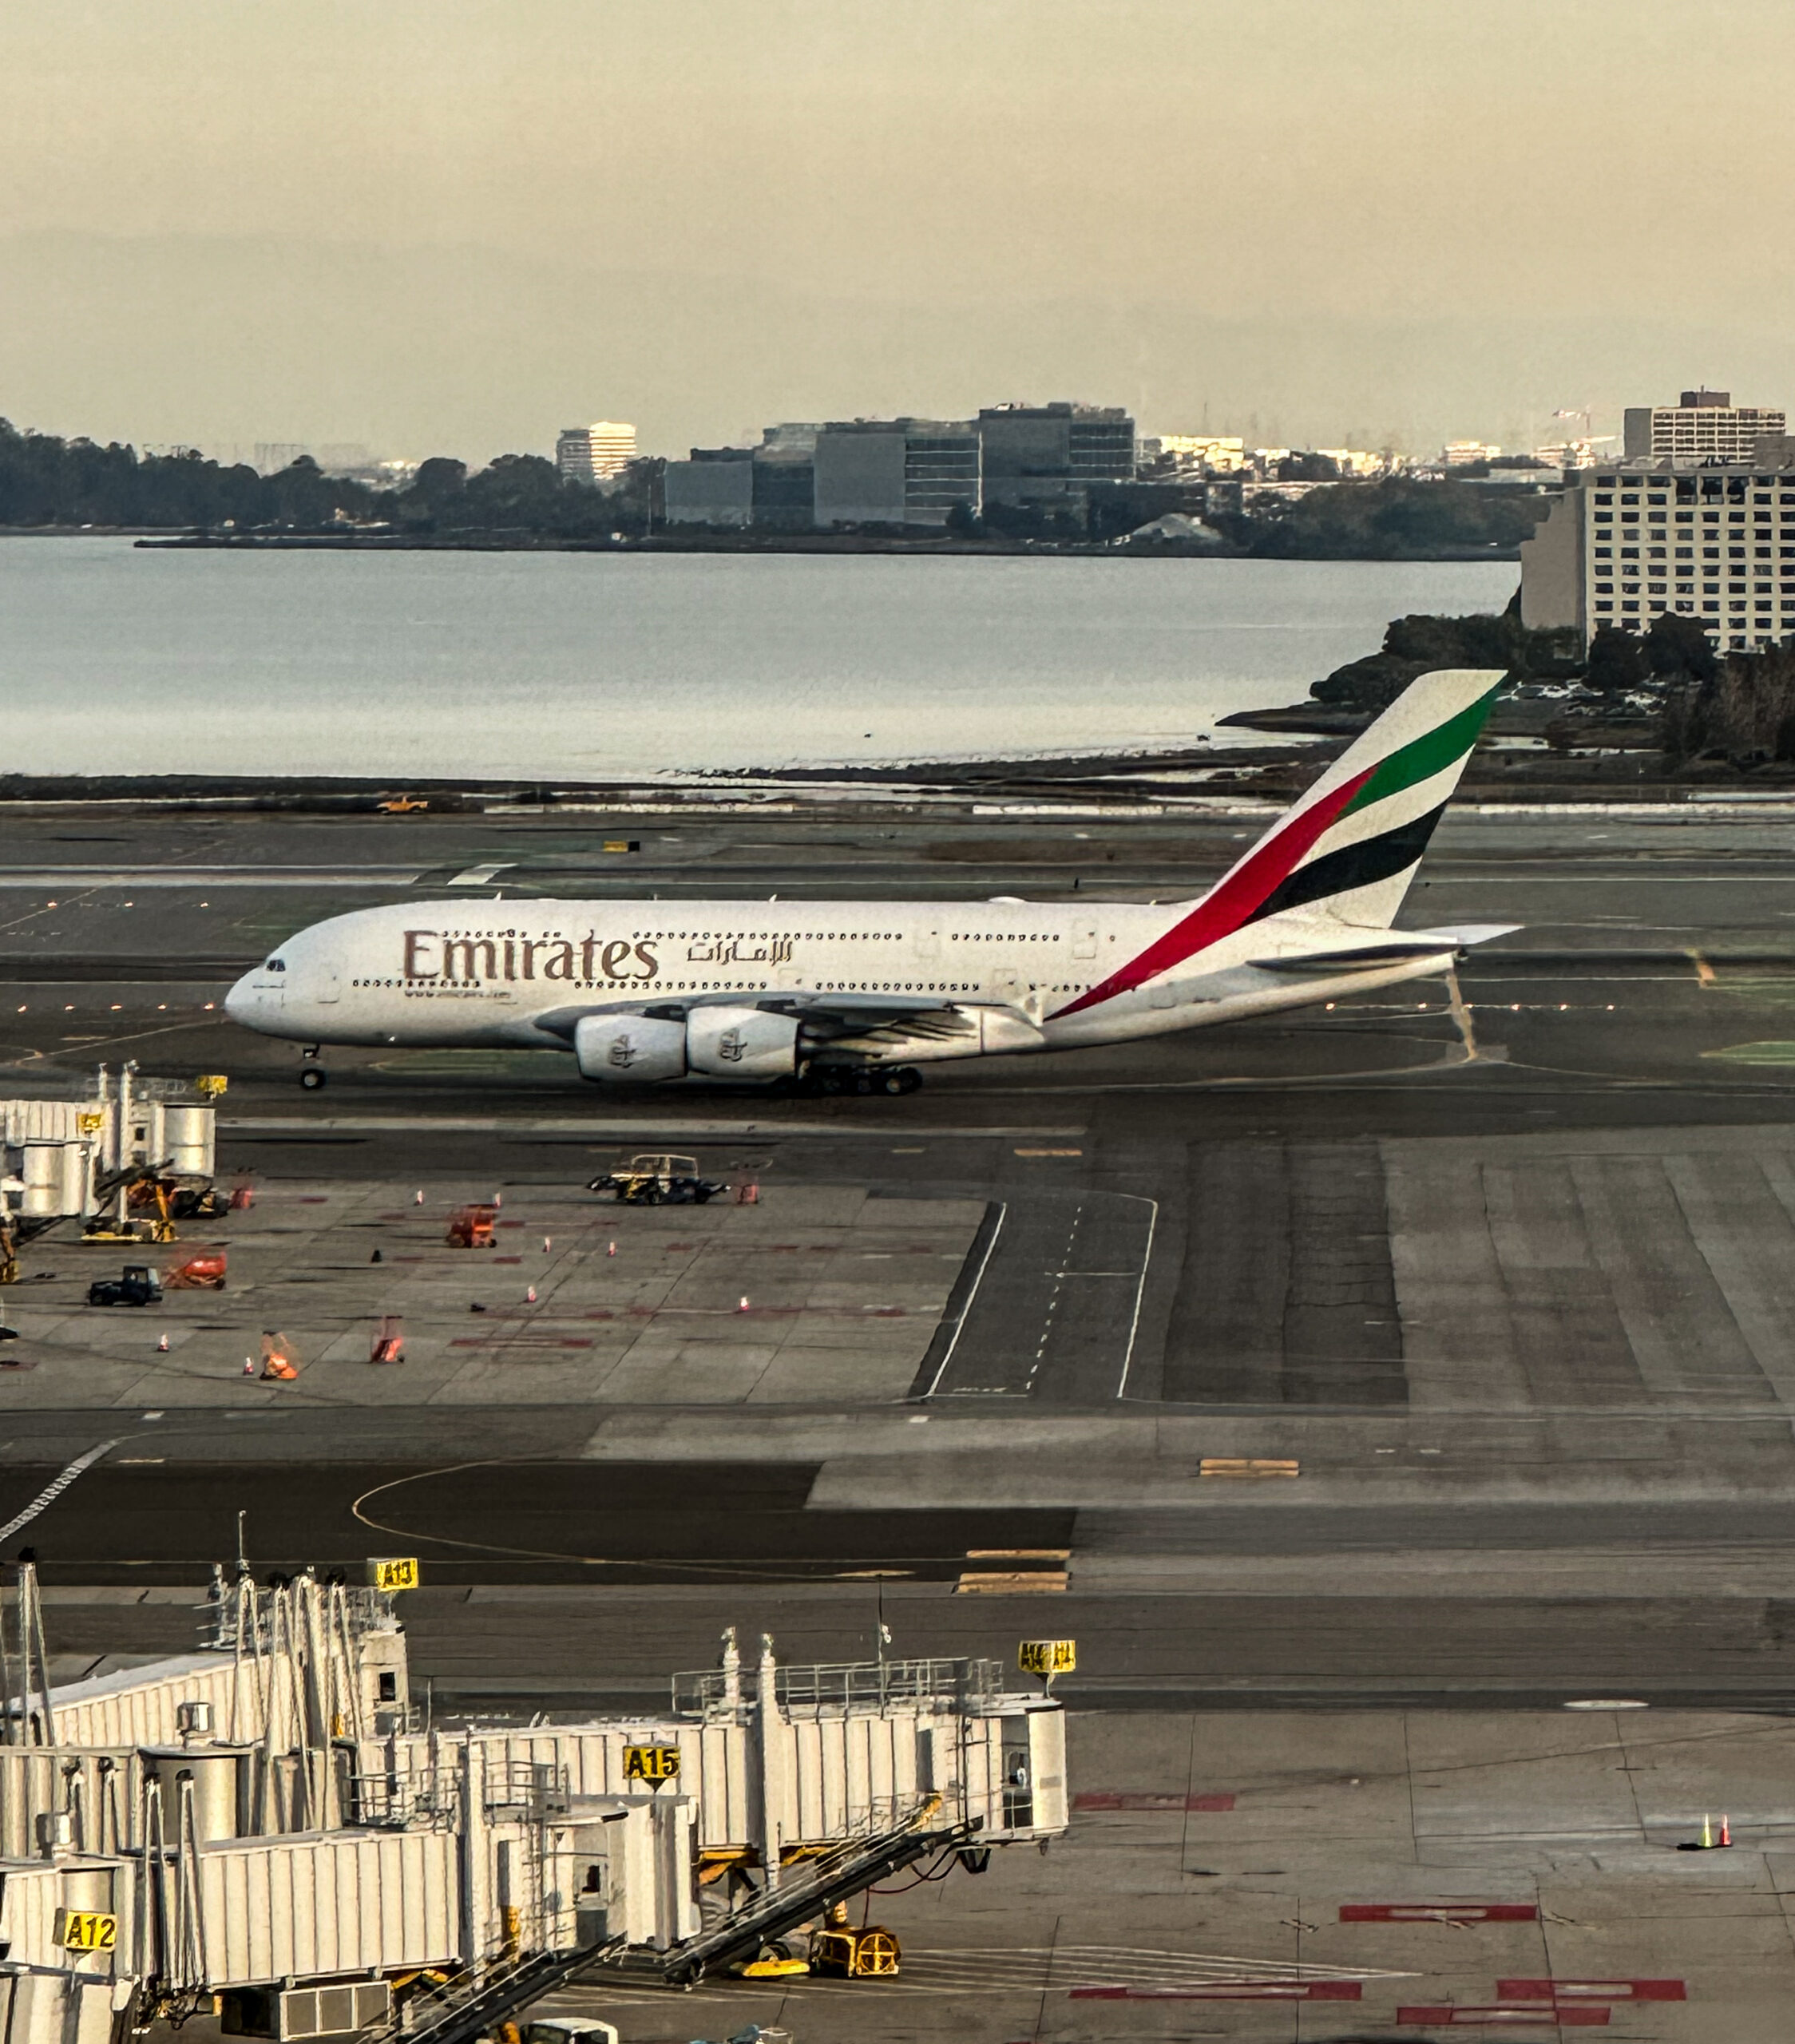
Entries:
{"x":239,"y":1002}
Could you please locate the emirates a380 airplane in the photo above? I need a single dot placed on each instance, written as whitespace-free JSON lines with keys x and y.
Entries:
{"x":853,"y":995}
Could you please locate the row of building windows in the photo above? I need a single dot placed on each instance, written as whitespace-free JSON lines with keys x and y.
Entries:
{"x":1711,"y":486}
{"x":1683,"y":517}
{"x":1658,"y":496}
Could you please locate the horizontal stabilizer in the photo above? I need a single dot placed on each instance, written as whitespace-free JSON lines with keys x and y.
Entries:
{"x":1460,"y":933}
{"x":1395,"y":949}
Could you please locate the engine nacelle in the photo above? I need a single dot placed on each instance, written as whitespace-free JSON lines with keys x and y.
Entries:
{"x":742,"y":1043}
{"x":629,"y":1050}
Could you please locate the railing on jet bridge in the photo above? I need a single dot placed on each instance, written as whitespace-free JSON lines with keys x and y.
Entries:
{"x":534,"y":1790}
{"x":973,"y":1686}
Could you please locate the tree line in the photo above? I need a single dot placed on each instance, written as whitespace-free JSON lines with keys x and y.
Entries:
{"x":48,"y":481}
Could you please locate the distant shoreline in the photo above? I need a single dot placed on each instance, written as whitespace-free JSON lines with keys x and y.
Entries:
{"x":769,"y":543}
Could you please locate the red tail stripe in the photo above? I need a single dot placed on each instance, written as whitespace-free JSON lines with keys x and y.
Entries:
{"x":1230,"y":903}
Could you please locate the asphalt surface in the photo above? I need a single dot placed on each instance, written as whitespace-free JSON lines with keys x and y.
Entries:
{"x":1502,"y":1267}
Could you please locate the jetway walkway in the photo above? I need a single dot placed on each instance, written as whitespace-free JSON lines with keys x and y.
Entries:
{"x":265,"y":1820}
{"x":503,"y":1992}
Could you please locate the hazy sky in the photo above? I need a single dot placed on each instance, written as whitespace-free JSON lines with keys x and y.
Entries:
{"x":446,"y":225}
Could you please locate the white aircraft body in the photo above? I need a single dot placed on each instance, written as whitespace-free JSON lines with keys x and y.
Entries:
{"x":854,"y":996}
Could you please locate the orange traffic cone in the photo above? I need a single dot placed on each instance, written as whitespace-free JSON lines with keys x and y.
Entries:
{"x":529,"y":1296}
{"x":548,"y":1244}
{"x":162,"y":1346}
{"x":612,"y":1251}
{"x":498,"y":1199}
{"x":1725,"y":1837}
{"x":417,"y":1196}
{"x":249,"y":1366}
{"x":743,"y":1306}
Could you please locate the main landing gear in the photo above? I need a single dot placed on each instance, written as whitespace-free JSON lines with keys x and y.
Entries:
{"x":846,"y":1079}
{"x":312,"y":1074}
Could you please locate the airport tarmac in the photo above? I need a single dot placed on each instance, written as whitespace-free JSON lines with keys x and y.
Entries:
{"x":1500,"y":1265}
{"x":1501,"y":1268}
{"x":1356,"y":1875}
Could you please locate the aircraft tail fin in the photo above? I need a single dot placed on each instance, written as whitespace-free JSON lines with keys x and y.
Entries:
{"x":1350,"y":846}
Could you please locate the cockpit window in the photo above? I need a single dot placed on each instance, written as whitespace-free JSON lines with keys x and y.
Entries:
{"x":277,"y":965}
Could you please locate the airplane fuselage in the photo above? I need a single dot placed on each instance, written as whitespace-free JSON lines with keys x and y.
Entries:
{"x":645,"y":991}
{"x":519,"y":973}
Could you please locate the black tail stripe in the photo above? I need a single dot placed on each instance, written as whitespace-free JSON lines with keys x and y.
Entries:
{"x":1354,"y":865}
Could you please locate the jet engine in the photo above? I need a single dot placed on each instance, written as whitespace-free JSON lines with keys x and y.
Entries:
{"x":629,"y":1050}
{"x":741,"y":1043}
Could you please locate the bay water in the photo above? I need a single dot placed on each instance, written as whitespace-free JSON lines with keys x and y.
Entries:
{"x":118,"y":659}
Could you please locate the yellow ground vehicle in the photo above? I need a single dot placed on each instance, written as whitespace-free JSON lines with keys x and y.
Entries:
{"x":656,"y":1178}
{"x":841,"y":1951}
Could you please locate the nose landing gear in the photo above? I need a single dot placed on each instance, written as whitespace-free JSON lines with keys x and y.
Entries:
{"x":312,"y":1074}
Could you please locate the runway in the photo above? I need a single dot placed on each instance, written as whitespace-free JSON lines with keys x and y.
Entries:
{"x":1501,"y":1266}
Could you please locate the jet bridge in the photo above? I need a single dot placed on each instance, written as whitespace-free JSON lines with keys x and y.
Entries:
{"x":264,"y":1826}
{"x":784,"y":1763}
{"x":67,"y":1158}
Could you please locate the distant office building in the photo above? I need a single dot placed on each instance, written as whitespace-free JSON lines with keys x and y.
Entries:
{"x":1567,"y":453}
{"x":595,"y":453}
{"x":1705,"y":426}
{"x":1468,"y":453}
{"x":1048,"y":454}
{"x":1358,"y":462}
{"x":794,"y":436}
{"x":772,"y":486}
{"x":1206,"y":453}
{"x":784,"y":479}
{"x":895,"y":471}
{"x":714,"y":488}
{"x":1713,"y":541}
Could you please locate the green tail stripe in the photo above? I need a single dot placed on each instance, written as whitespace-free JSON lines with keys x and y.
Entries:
{"x":1424,"y":757}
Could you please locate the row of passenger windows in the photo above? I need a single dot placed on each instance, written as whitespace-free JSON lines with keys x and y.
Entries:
{"x":835,"y":936}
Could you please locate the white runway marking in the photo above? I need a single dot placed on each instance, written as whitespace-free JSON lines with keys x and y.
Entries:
{"x":209,"y":876}
{"x":599,"y":1132}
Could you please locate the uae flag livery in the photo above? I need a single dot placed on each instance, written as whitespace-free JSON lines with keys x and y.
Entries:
{"x":1350,"y":848}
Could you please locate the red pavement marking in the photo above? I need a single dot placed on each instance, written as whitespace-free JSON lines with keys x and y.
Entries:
{"x":1439,"y":1913}
{"x":1230,"y":1990}
{"x":1509,"y":2018}
{"x":1129,"y":1799}
{"x":1591,"y":1990}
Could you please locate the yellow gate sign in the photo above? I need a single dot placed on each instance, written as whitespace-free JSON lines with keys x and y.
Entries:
{"x":90,"y":1124}
{"x":1046,"y":1656}
{"x":651,"y":1763}
{"x":400,"y":1573}
{"x":85,"y":1930}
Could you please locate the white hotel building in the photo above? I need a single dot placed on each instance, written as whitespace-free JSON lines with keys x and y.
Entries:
{"x":1714,"y":540}
{"x":595,"y":453}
